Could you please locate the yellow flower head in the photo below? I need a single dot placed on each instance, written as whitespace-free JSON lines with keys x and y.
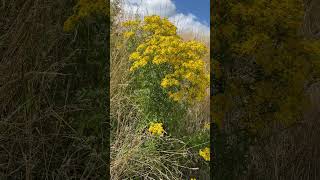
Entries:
{"x":156,"y":129}
{"x":193,"y":179}
{"x":205,"y":153}
{"x":207,"y":126}
{"x":128,"y":34}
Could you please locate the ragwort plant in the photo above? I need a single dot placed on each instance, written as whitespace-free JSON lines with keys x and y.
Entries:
{"x":139,"y":150}
{"x":169,"y":72}
{"x":169,"y":77}
{"x":186,"y":78}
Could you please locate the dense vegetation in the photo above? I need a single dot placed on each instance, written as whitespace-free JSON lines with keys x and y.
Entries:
{"x":53,"y":92}
{"x":159,"y":86}
{"x":263,"y":67}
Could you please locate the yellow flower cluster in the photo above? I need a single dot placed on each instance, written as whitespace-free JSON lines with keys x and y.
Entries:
{"x":83,"y":9}
{"x":132,"y":23}
{"x":205,"y":153}
{"x":156,"y":129}
{"x":161,"y":45}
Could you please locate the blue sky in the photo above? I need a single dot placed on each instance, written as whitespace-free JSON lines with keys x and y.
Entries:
{"x":200,"y":8}
{"x":188,"y":15}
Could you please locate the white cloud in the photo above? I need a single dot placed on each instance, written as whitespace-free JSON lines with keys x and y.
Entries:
{"x":190,"y":23}
{"x":149,"y":7}
{"x":166,"y":8}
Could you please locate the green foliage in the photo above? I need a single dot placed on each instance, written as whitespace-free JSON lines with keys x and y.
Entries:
{"x":266,"y":62}
{"x":154,"y":101}
{"x":201,"y":138}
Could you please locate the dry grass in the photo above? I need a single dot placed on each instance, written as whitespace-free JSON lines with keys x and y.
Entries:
{"x":293,"y":152}
{"x":311,"y":26}
{"x":37,"y":138}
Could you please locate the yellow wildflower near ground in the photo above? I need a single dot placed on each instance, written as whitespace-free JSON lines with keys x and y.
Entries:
{"x":205,"y":153}
{"x":156,"y":129}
